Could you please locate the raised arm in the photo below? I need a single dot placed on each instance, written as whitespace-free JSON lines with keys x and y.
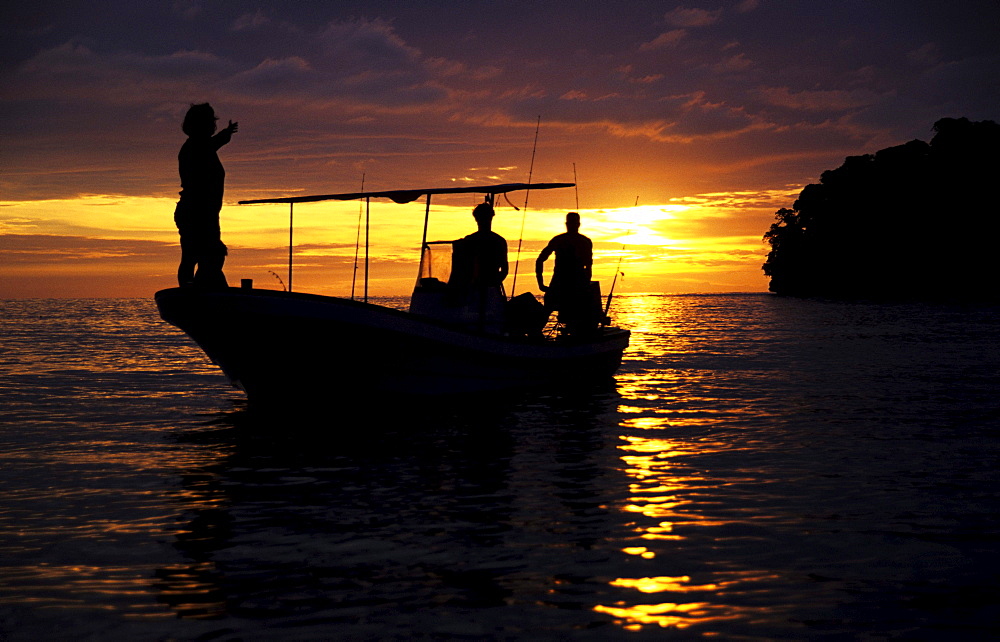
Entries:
{"x":225,"y":135}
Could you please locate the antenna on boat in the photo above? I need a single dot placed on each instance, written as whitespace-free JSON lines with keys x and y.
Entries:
{"x":357,"y":241}
{"x":524,"y":212}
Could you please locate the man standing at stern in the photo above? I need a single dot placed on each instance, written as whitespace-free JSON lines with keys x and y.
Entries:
{"x":570,"y":292}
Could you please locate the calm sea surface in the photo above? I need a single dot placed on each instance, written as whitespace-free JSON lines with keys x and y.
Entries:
{"x":763,"y":468}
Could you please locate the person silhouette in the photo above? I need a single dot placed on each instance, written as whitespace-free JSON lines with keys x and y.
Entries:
{"x":482,"y":255}
{"x":202,"y":185}
{"x":569,"y":292}
{"x":478,"y":268}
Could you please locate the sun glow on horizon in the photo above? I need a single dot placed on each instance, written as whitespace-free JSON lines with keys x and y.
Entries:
{"x":637,"y":225}
{"x":113,"y":245}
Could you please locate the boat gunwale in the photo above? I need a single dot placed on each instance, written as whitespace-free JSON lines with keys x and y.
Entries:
{"x":607,"y":334}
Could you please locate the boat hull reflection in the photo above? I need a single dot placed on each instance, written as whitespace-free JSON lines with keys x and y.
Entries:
{"x":275,"y":345}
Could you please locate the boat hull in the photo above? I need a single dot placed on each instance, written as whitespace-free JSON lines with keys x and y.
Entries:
{"x":278,"y":345}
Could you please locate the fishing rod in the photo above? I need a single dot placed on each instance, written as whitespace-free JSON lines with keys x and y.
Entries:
{"x":275,"y":274}
{"x":524,"y":212}
{"x":611,"y":293}
{"x":607,"y":306}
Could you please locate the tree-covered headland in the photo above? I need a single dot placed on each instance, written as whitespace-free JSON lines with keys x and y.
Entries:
{"x":915,"y":221}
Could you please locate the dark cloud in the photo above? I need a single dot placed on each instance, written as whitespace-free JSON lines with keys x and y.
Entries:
{"x":665,"y":40}
{"x":361,"y":61}
{"x":74,"y":71}
{"x":251,"y":21}
{"x":32,"y":250}
{"x":322,"y":89}
{"x":692,"y":17}
{"x":823,"y":100}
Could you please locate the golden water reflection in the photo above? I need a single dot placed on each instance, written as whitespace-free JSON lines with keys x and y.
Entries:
{"x":668,"y":614}
{"x":669,"y":418}
{"x":659,"y":493}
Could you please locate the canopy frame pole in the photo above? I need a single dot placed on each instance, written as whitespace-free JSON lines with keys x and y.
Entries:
{"x":368,"y":218}
{"x":357,"y":240}
{"x":291,"y":219}
{"x":423,"y":241}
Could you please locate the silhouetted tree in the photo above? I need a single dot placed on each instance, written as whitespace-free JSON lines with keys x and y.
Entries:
{"x":917,"y":220}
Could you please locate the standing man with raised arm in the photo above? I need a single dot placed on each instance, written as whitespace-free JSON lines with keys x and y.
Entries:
{"x":202,"y":185}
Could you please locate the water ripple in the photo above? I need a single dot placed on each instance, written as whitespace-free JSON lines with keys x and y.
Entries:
{"x":763,"y":468}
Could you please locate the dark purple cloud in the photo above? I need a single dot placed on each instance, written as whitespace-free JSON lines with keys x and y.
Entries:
{"x":92,"y":94}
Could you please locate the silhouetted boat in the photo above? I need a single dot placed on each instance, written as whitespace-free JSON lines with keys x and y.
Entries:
{"x":278,"y":345}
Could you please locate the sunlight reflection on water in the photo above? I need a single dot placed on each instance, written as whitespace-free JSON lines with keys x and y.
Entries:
{"x":704,"y":376}
{"x":764,"y":468}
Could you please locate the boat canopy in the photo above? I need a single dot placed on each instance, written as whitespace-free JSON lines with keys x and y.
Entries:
{"x":400,"y":196}
{"x":409,"y":195}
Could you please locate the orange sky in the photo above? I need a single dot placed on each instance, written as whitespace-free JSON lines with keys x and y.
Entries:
{"x":713,"y":115}
{"x":127,"y":247}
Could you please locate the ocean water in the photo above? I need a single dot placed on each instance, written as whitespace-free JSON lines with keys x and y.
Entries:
{"x":762,"y":468}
